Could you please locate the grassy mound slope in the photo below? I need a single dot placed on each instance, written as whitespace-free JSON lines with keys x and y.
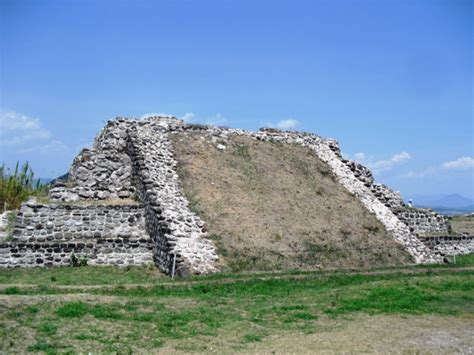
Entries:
{"x":276,"y":206}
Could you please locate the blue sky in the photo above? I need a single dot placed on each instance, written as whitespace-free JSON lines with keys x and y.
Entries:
{"x":391,"y":80}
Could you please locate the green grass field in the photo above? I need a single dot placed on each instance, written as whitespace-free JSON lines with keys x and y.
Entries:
{"x":111,"y":310}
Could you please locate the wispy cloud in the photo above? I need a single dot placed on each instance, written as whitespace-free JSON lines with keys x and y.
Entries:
{"x":153,"y":114}
{"x":379,"y":166}
{"x":21,"y":134}
{"x":460,"y":164}
{"x":11,"y":121}
{"x":215,"y":120}
{"x":384,"y":165}
{"x":359,"y":157}
{"x":287,"y":124}
{"x":463,"y":163}
{"x":420,"y":174}
{"x":188,"y":116}
{"x":48,"y":147}
{"x":17,"y":129}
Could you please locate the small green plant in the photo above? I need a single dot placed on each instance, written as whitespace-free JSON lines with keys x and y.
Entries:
{"x":44,"y":347}
{"x":277,"y":237}
{"x":72,"y":310}
{"x":243,"y":151}
{"x":78,"y":262}
{"x":12,"y":291}
{"x":48,"y":329}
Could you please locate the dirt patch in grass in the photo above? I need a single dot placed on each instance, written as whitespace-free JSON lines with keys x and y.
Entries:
{"x":274,"y":206}
{"x":378,"y":334}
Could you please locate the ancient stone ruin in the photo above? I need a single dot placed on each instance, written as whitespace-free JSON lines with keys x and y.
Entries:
{"x":121,"y":204}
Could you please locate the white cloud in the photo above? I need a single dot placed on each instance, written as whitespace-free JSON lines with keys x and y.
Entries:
{"x":397,"y":158}
{"x":463,"y":163}
{"x":188,"y":116}
{"x":288,"y":124}
{"x":17,"y":129}
{"x":384,"y":165}
{"x":379,"y":166}
{"x":153,"y":114}
{"x":54,"y":146}
{"x":21,"y":134}
{"x":359,"y":157}
{"x":20,"y":138}
{"x":11,"y":121}
{"x":216,"y":120}
{"x":420,"y":173}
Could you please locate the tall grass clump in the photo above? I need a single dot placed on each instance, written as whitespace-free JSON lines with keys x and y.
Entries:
{"x":17,"y":186}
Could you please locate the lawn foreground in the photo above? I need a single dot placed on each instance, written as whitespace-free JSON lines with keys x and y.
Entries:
{"x":139,"y":310}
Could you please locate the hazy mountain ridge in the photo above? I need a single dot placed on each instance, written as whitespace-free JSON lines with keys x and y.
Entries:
{"x":444,"y":203}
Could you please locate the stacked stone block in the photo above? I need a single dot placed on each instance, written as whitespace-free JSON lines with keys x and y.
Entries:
{"x":100,"y":173}
{"x":422,"y":220}
{"x":451,"y":244}
{"x":179,"y":235}
{"x":48,"y":235}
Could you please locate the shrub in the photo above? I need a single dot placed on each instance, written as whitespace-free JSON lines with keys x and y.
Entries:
{"x":17,"y":186}
{"x":77,"y":262}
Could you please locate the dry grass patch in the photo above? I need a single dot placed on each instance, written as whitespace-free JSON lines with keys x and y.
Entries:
{"x":380,"y":334}
{"x":462,"y":224}
{"x":274,"y":206}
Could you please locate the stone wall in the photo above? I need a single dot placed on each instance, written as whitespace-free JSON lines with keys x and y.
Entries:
{"x":391,"y":199}
{"x":450,"y":245}
{"x":360,"y":172}
{"x":47,"y":235}
{"x":134,"y":159}
{"x":422,"y":220}
{"x":417,"y":219}
{"x":176,"y":230}
{"x":100,"y":173}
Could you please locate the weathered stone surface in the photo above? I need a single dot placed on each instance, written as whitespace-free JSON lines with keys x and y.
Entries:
{"x":450,"y":245}
{"x":134,"y":159}
{"x":3,"y":225}
{"x":103,"y":172}
{"x":57,"y":231}
{"x":175,"y":230}
{"x":422,"y":220}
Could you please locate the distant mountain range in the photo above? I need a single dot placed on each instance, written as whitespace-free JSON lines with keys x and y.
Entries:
{"x":444,"y":203}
